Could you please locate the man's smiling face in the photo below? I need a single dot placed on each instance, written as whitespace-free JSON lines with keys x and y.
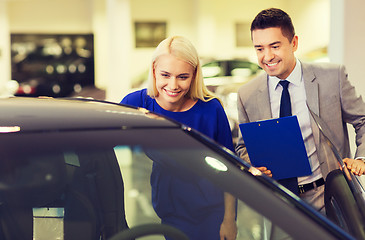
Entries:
{"x":275,"y":53}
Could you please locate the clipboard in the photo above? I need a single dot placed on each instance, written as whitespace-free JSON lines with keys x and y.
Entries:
{"x":278,"y":145}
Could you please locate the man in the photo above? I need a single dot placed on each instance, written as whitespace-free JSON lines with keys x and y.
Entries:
{"x":323,"y":87}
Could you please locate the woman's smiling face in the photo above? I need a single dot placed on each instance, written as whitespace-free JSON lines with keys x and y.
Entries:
{"x":173,"y":80}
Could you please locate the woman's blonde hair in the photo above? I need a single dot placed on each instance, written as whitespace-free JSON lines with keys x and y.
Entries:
{"x":181,"y":48}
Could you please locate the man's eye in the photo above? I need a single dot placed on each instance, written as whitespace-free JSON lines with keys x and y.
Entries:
{"x":164,"y":75}
{"x":259,"y":49}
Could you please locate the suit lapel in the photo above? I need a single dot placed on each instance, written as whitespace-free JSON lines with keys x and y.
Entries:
{"x":312,"y":93}
{"x":263,"y":100}
{"x":311,"y":89}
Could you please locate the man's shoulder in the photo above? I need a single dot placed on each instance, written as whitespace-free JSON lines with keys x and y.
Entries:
{"x":324,"y":72}
{"x":320,"y":66}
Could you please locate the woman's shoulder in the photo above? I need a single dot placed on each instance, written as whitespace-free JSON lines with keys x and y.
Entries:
{"x":210,"y":105}
{"x":138,"y":93}
{"x":136,"y":98}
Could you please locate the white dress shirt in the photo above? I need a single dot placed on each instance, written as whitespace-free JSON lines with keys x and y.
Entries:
{"x":299,"y":108}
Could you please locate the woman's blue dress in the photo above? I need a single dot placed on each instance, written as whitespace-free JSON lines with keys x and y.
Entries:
{"x":196,"y":209}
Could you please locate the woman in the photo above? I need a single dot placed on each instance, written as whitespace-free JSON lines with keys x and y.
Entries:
{"x":176,"y":90}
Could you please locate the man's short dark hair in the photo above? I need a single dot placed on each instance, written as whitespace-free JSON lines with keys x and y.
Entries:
{"x":274,"y":17}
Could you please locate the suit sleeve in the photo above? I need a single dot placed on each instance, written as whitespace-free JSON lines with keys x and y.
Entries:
{"x":353,"y":110}
{"x":242,"y":118}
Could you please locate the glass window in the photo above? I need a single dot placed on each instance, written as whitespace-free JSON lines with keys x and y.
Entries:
{"x":136,"y":168}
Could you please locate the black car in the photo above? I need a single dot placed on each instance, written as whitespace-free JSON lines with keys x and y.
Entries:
{"x":80,"y":169}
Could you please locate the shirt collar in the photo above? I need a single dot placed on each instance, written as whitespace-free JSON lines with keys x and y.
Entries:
{"x":295,"y":76}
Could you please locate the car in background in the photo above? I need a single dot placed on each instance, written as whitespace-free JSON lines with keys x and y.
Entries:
{"x":223,"y":72}
{"x":80,"y":169}
{"x":52,"y":65}
{"x":224,"y":77}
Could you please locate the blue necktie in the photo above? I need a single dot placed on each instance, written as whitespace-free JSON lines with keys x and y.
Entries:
{"x":285,"y":111}
{"x":285,"y":104}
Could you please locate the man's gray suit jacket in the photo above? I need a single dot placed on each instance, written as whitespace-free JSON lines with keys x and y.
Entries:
{"x":329,"y":95}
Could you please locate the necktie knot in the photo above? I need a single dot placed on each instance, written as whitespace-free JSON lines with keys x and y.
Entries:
{"x":284,"y":83}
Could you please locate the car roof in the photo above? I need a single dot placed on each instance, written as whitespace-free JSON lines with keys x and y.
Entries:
{"x":70,"y":114}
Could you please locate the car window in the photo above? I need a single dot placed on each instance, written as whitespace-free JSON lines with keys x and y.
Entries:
{"x":138,"y":167}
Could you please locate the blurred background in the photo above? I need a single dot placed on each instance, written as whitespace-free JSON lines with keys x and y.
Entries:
{"x":102,"y":48}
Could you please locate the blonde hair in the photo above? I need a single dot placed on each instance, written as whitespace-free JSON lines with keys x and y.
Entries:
{"x":181,"y":48}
